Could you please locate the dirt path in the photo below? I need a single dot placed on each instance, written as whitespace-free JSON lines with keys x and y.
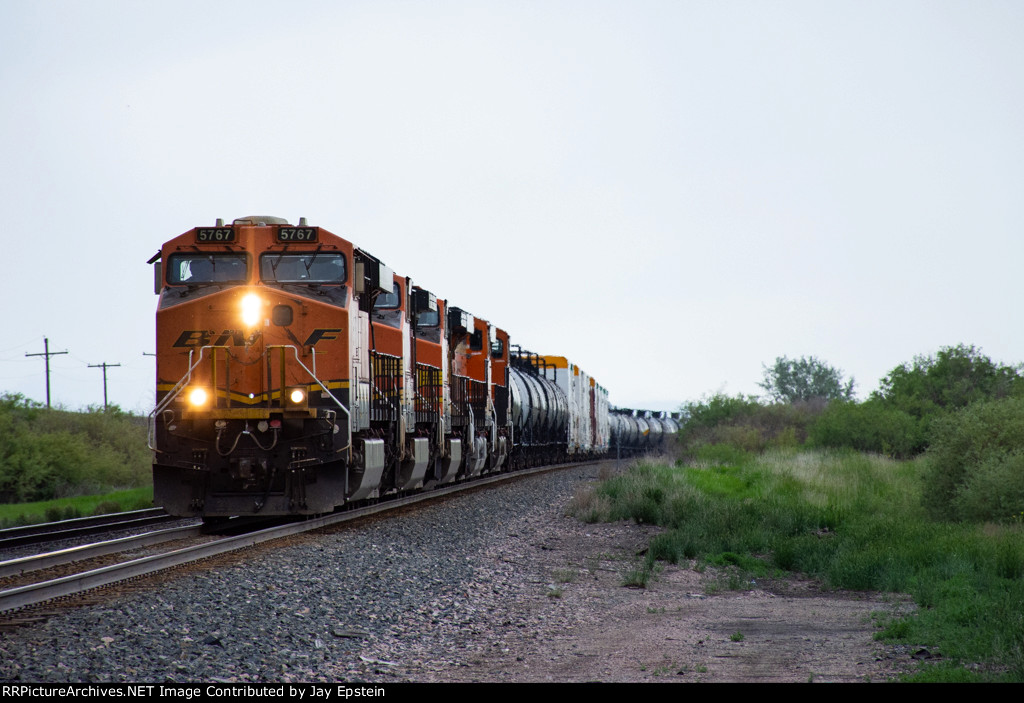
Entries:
{"x":556,"y":611}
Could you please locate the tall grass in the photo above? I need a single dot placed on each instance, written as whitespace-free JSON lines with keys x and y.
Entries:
{"x":853,"y":521}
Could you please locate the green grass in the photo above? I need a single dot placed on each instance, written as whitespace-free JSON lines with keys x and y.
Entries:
{"x":851,"y":520}
{"x":78,"y":506}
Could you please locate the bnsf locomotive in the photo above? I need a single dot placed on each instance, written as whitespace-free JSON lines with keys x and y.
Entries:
{"x":296,"y":373}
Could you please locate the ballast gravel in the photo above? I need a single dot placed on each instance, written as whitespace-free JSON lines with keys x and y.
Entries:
{"x":386,"y":599}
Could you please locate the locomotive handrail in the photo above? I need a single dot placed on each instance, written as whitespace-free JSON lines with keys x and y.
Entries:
{"x":183,"y":382}
{"x":319,"y":383}
{"x":171,"y":395}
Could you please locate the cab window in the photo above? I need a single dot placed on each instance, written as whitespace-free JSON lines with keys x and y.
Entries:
{"x":305,"y":267}
{"x":476,"y":340}
{"x":389,"y":301}
{"x":428,"y":318}
{"x":201,"y":268}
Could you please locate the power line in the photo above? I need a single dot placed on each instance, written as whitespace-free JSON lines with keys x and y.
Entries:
{"x":47,"y":353}
{"x":16,"y":346}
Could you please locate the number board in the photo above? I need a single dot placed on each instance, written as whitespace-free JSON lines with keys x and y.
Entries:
{"x":298,"y":234}
{"x":215,"y":234}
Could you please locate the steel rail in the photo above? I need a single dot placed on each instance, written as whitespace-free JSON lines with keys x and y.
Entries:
{"x":93,"y":526}
{"x":23,"y":565}
{"x":44,"y":527}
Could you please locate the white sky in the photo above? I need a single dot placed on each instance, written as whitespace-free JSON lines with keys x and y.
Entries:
{"x":668,"y":193}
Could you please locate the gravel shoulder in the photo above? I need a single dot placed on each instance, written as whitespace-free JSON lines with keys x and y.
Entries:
{"x":496,"y":586}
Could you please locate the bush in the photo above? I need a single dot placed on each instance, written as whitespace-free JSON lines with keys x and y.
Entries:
{"x":746,"y":424}
{"x":954,"y":378}
{"x":718,"y":409}
{"x":869,"y":427}
{"x":48,"y":453}
{"x":976,"y":463}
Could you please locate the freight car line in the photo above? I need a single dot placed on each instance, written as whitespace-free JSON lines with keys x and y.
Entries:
{"x":34,"y":594}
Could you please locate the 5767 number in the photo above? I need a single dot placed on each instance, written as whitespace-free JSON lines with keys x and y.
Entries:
{"x":297,"y":234}
{"x":215,"y":234}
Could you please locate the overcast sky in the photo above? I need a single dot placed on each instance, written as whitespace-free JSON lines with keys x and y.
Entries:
{"x":671,"y":194}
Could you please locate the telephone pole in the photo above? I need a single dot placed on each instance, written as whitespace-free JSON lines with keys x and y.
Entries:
{"x":47,"y":353}
{"x":104,"y":366}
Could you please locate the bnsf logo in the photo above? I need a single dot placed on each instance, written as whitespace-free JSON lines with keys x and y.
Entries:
{"x":237,"y":338}
{"x":227,"y":338}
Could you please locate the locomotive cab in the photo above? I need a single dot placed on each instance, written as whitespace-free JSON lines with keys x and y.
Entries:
{"x":257,"y":325}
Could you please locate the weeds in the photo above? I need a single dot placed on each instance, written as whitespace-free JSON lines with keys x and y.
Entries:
{"x":636,"y":577}
{"x":851,"y":520}
{"x":564,"y":575}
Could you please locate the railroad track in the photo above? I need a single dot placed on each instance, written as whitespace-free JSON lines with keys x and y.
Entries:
{"x":29,"y":595}
{"x":81,"y":527}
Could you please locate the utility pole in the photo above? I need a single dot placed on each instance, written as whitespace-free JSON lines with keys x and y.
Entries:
{"x":104,"y":366}
{"x":47,"y":353}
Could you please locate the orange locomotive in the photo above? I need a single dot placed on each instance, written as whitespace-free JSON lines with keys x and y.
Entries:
{"x":296,"y":373}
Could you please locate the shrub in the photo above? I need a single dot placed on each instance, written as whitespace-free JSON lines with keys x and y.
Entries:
{"x":954,"y":378}
{"x":976,"y":463}
{"x":718,"y":409}
{"x":746,"y":424}
{"x":48,"y":453}
{"x":869,"y":427}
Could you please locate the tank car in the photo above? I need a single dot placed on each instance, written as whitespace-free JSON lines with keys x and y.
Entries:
{"x":559,"y":412}
{"x":641,"y":431}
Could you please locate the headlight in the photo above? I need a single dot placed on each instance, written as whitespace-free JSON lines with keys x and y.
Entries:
{"x":197,"y":397}
{"x":252,"y":309}
{"x":296,"y":398}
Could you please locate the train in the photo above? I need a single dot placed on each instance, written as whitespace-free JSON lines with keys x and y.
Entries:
{"x":296,"y":373}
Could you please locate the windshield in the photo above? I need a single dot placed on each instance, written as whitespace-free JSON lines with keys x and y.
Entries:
{"x":189,"y":269}
{"x":307,"y":267}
